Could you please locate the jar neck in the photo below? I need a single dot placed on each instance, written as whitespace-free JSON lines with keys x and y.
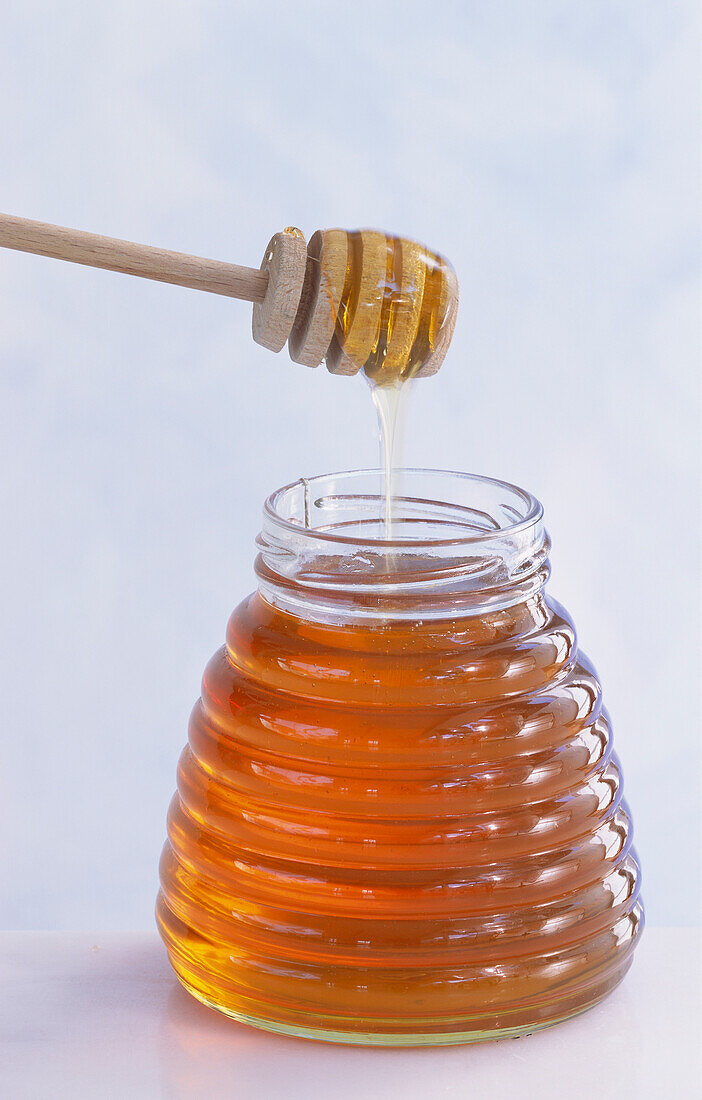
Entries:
{"x":458,"y":545}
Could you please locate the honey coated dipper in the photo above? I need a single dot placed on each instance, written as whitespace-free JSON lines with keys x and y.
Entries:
{"x":360,"y":300}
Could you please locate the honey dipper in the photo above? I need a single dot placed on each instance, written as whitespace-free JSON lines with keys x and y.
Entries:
{"x":359,"y":300}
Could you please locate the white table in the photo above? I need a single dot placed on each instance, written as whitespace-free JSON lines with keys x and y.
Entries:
{"x":102,"y":1016}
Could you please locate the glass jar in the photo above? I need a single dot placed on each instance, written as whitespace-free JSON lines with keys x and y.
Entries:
{"x":399,"y":817}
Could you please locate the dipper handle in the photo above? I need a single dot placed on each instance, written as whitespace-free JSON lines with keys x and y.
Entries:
{"x":94,"y":250}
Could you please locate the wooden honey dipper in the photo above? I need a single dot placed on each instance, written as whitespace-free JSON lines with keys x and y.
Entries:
{"x":359,"y":300}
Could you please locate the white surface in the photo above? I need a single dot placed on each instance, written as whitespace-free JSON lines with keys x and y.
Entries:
{"x":103,"y":1016}
{"x":551,"y":149}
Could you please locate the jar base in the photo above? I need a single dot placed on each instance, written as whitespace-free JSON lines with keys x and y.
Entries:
{"x":387,"y":1039}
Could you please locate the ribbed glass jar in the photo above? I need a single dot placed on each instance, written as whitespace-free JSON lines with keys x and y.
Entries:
{"x":399,"y":817}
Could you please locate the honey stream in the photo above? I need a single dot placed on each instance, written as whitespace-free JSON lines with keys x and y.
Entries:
{"x":394,"y":321}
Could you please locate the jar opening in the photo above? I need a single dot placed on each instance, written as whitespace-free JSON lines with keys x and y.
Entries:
{"x":430,"y":507}
{"x":459,"y":543}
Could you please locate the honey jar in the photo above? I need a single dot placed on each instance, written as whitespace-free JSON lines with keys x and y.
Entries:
{"x":399,"y":816}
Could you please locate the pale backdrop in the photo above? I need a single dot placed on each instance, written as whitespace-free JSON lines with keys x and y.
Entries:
{"x":551,"y":150}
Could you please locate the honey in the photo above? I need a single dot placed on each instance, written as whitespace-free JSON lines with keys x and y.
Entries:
{"x":398,"y":306}
{"x":399,"y":816}
{"x":383,"y":305}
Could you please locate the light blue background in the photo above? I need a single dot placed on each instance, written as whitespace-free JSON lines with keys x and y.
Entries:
{"x":551,"y":149}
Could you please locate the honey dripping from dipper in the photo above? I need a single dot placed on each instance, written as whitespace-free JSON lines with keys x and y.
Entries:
{"x":390,"y":307}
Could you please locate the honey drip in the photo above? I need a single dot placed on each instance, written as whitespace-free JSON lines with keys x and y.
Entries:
{"x":394,"y":321}
{"x":379,"y":304}
{"x":390,"y":404}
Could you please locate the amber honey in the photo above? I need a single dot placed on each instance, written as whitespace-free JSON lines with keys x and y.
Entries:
{"x":399,"y":816}
{"x":399,"y":299}
{"x":390,"y":307}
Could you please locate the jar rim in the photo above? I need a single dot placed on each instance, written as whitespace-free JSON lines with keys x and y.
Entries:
{"x":522,"y":501}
